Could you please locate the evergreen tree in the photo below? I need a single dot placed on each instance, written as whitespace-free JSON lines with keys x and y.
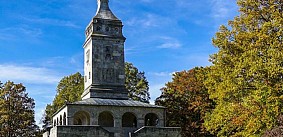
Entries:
{"x":16,"y":111}
{"x":136,"y":84}
{"x":247,"y":73}
{"x":186,"y":100}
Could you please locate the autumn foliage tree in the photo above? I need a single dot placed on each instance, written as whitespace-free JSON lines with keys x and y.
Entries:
{"x":186,"y":100}
{"x":16,"y":111}
{"x":246,"y":77}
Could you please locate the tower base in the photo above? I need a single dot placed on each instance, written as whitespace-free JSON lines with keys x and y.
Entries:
{"x":106,"y":92}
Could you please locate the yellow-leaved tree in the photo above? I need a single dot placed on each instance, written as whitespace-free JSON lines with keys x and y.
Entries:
{"x":246,"y":78}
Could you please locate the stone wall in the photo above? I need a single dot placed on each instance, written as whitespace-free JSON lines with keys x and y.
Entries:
{"x":157,"y":132}
{"x":117,"y":112}
{"x":80,"y":131}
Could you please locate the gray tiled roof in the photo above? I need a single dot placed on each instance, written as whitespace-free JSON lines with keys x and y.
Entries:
{"x":113,"y":102}
{"x":104,"y":12}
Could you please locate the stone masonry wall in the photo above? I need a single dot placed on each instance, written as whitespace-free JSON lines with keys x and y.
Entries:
{"x":80,"y":131}
{"x":157,"y":132}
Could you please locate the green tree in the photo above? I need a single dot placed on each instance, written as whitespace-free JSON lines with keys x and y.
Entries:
{"x":186,"y":100}
{"x":16,"y":111}
{"x":246,"y":75}
{"x":136,"y":83}
{"x":69,"y":89}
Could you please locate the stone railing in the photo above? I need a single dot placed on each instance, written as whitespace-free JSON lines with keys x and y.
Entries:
{"x":80,"y":131}
{"x":157,"y":132}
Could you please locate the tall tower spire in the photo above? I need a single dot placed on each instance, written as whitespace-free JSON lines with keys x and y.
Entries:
{"x":104,"y":65}
{"x":103,"y":10}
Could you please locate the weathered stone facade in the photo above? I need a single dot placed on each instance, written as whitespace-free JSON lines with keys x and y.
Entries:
{"x":116,"y":116}
{"x":80,"y":131}
{"x":104,"y":56}
{"x":106,"y":110}
{"x":157,"y":132}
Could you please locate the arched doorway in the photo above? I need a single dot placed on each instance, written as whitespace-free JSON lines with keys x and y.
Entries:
{"x":57,"y":122}
{"x":151,"y":119}
{"x":81,"y":118}
{"x":61,"y":121}
{"x":129,"y":120}
{"x":105,"y":119}
{"x":64,"y":119}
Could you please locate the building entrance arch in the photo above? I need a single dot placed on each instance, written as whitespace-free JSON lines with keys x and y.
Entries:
{"x":81,"y":118}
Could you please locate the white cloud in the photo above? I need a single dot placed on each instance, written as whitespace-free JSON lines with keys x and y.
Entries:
{"x":223,"y":9}
{"x":169,"y":43}
{"x":184,"y":3}
{"x":40,"y":83}
{"x":4,"y":36}
{"x":173,"y":45}
{"x":147,"y":1}
{"x":27,"y":74}
{"x":50,"y":21}
{"x":146,"y":21}
{"x":16,"y":32}
{"x":160,"y":74}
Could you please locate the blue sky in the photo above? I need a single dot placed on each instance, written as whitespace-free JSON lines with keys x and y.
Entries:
{"x":41,"y":40}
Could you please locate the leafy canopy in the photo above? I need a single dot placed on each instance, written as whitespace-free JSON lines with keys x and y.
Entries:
{"x":247,"y":73}
{"x":16,"y":111}
{"x":69,"y":89}
{"x":186,"y":100}
{"x":136,"y":84}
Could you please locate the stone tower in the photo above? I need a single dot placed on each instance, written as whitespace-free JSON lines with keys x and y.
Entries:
{"x":104,"y":56}
{"x":105,"y":110}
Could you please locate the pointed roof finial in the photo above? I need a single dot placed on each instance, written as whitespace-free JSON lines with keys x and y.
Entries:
{"x":103,"y":10}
